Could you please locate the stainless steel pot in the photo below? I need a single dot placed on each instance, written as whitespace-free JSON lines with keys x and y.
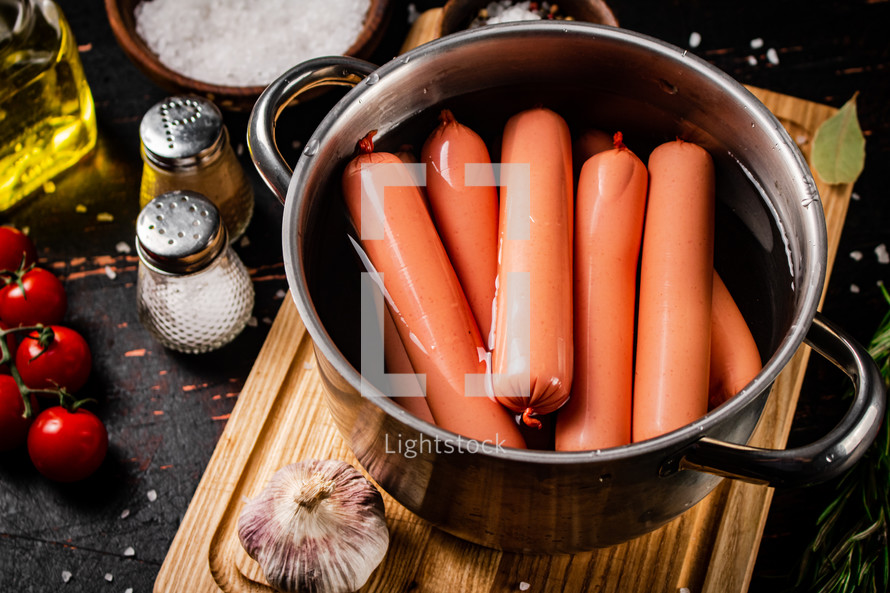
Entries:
{"x":771,"y":251}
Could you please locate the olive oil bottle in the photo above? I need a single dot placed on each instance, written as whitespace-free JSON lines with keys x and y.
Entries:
{"x":47,"y":117}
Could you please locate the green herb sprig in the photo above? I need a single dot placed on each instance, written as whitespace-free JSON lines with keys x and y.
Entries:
{"x":850,"y":551}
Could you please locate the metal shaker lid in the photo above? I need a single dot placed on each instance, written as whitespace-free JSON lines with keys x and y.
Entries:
{"x":179,"y":232}
{"x":182,"y":131}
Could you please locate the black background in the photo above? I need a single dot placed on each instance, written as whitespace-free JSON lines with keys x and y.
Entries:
{"x":165,"y":411}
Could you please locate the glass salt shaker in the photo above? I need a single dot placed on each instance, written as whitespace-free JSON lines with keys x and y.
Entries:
{"x":194,"y":293}
{"x":185,"y":146}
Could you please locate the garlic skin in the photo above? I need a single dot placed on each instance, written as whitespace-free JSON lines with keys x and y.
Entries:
{"x":317,"y":526}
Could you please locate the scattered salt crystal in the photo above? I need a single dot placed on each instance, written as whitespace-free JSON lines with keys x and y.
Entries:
{"x":684,"y":590}
{"x":66,"y":576}
{"x":109,"y":577}
{"x":280,"y":293}
{"x":239,"y":43}
{"x":80,"y":209}
{"x":125,"y":513}
{"x":308,"y":366}
{"x":239,"y":150}
{"x":122,"y":247}
{"x":152,"y":495}
{"x":267,"y":320}
{"x":854,"y":288}
{"x":109,"y":271}
{"x":855,"y":196}
{"x":130,"y":551}
{"x":881,"y":252}
{"x":856,"y":255}
{"x":296,"y":144}
{"x":244,"y":241}
{"x":757,"y":43}
{"x":104,"y":217}
{"x":802,"y":139}
{"x":523,"y":586}
{"x":772,"y":56}
{"x":128,"y":590}
{"x":252,"y":322}
{"x":694,"y":39}
{"x":752,"y":61}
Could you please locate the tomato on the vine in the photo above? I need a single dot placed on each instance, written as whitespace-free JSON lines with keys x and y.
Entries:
{"x":13,"y":425}
{"x":64,"y":362}
{"x":38,"y":298}
{"x":13,"y":245}
{"x":67,"y":446}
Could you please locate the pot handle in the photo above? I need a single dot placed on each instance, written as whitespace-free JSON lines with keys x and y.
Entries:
{"x":318,"y":72}
{"x":822,"y":460}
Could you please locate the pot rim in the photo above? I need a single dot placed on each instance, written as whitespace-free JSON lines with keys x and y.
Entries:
{"x":812,"y":261}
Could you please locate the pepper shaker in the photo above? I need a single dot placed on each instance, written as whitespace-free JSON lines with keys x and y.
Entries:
{"x":194,"y":293}
{"x":185,"y":146}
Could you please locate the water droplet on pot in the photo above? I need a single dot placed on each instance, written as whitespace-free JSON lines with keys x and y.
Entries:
{"x":372,"y":78}
{"x":667,"y":87}
{"x":311,"y":147}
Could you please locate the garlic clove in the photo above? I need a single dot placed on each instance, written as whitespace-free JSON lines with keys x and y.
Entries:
{"x":318,"y":525}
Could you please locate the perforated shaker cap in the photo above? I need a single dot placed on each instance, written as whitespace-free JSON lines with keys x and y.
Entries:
{"x":179,"y":232}
{"x":182,"y":131}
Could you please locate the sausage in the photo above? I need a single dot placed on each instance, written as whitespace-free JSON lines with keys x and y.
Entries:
{"x":676,"y":277}
{"x":609,"y":212}
{"x":397,"y":362}
{"x":532,"y":356}
{"x":466,"y":215}
{"x":735,"y":360}
{"x":429,"y":308}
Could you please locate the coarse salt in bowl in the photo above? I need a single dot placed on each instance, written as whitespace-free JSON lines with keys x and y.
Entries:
{"x":230,"y":50}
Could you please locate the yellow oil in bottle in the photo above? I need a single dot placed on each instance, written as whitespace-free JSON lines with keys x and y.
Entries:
{"x":47,"y":117}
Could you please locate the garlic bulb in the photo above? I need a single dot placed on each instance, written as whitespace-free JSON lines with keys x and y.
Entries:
{"x":317,"y":526}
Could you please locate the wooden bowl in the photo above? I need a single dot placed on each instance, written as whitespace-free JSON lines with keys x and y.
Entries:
{"x":458,"y":14}
{"x":233,"y":98}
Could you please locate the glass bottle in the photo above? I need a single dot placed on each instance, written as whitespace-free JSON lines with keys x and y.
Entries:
{"x":194,"y":294}
{"x":185,"y":146}
{"x":47,"y":116}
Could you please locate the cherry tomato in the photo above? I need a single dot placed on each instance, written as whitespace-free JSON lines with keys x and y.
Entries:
{"x":13,"y":426}
{"x":13,"y":244}
{"x":43,"y":300}
{"x":67,"y":446}
{"x":65,"y":362}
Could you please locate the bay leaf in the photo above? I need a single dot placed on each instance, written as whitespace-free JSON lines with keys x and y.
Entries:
{"x":838,"y":153}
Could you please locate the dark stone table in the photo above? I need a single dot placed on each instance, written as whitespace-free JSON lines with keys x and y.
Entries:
{"x":165,"y":411}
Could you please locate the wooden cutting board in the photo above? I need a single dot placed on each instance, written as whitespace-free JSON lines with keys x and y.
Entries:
{"x":280,"y":418}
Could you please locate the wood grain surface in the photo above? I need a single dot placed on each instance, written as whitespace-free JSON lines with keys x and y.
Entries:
{"x":280,"y":418}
